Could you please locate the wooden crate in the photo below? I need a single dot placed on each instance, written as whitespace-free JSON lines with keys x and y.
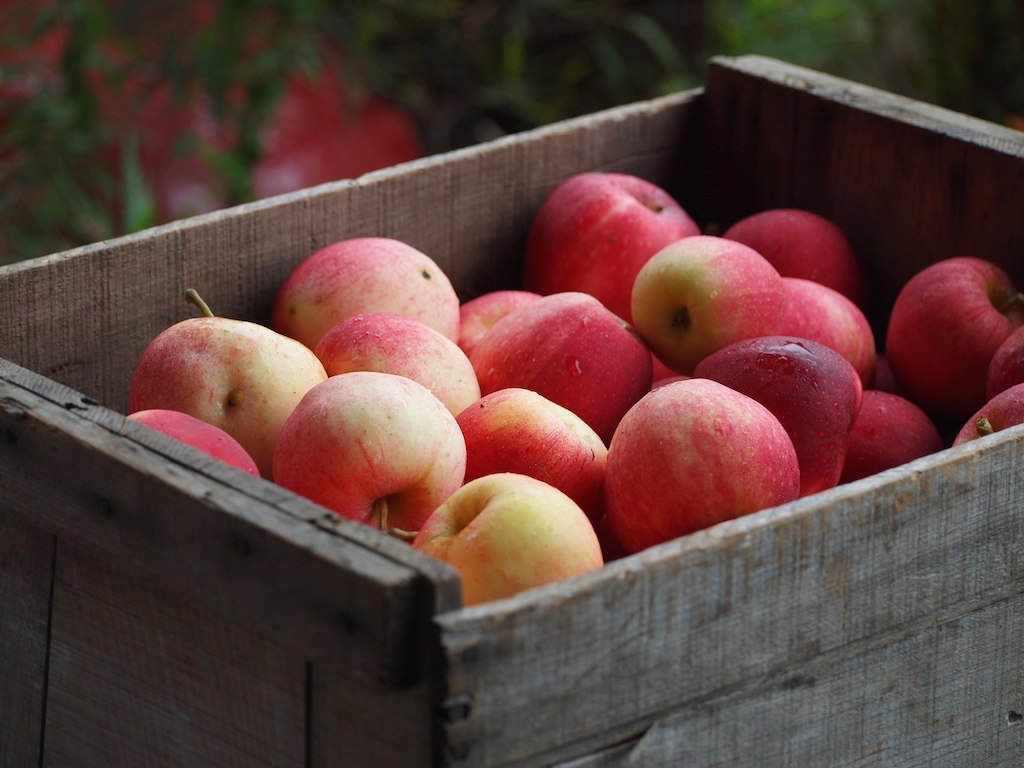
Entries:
{"x":160,"y":609}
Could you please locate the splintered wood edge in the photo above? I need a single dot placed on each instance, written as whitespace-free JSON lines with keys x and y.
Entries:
{"x":866,"y":98}
{"x":260,"y":517}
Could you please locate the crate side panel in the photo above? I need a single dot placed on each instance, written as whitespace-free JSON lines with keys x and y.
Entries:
{"x":26,"y":576}
{"x":141,"y":677}
{"x":593,"y":661}
{"x":85,"y":316}
{"x":909,"y":183}
{"x":947,"y":696}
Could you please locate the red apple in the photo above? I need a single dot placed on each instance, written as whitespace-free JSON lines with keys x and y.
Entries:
{"x":817,"y":312}
{"x":374,"y":447}
{"x":1004,"y":410}
{"x":239,"y":376}
{"x":946,"y":324}
{"x":391,"y":343}
{"x":477,"y":316}
{"x":505,"y":533}
{"x":883,"y":378}
{"x":572,"y":350}
{"x":703,"y":293}
{"x":594,"y":232}
{"x":1007,"y":365}
{"x":364,"y":274}
{"x":811,"y":389}
{"x":692,"y":454}
{"x":799,"y":243}
{"x":889,"y":431}
{"x":197,"y":433}
{"x":518,"y":430}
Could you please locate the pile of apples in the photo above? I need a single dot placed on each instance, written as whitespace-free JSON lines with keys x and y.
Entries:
{"x":645,"y":381}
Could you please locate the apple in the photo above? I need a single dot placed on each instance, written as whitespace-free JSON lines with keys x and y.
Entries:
{"x":392,"y":343}
{"x":505,"y":533}
{"x":659,"y":370}
{"x":1005,"y":409}
{"x":237,"y":375}
{"x":889,"y":431}
{"x":197,"y":433}
{"x":1007,"y":365}
{"x":691,"y":454}
{"x":477,"y":316}
{"x":594,"y":232}
{"x":702,"y":293}
{"x":800,"y":243}
{"x":572,"y":350}
{"x":817,"y":312}
{"x":374,"y":447}
{"x":811,"y":389}
{"x":946,"y":324}
{"x":883,"y":378}
{"x":518,"y":430}
{"x":364,"y":274}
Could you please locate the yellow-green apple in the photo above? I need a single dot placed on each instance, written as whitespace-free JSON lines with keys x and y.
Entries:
{"x":477,"y":316}
{"x":197,"y":433}
{"x":944,"y":327}
{"x":889,"y":431}
{"x":700,"y":294}
{"x":518,"y":430}
{"x":1007,"y":365}
{"x":799,"y":243}
{"x":572,"y":350}
{"x":237,"y":375}
{"x":506,"y":532}
{"x":374,"y":447}
{"x":811,"y":389}
{"x":1004,"y":410}
{"x":364,"y":274}
{"x":817,"y":312}
{"x":392,"y":343}
{"x":691,"y":454}
{"x":594,"y":232}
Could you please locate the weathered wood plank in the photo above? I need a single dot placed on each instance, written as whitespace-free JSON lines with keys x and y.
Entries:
{"x":26,"y":576}
{"x":142,"y":677}
{"x":84,"y":316}
{"x":712,"y":615}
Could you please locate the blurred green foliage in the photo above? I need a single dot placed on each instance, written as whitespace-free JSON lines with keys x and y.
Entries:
{"x":74,"y":168}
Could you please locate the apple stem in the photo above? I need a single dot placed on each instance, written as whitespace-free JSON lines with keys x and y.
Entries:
{"x":380,"y":513}
{"x":1008,"y":305}
{"x":984,"y":426}
{"x":192,"y":296}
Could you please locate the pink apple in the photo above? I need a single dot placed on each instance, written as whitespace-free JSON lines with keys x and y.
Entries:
{"x":392,"y":343}
{"x":799,"y":243}
{"x":1004,"y":410}
{"x":572,"y":350}
{"x":946,"y":324}
{"x":518,"y":430}
{"x":595,"y":231}
{"x":811,"y":389}
{"x":889,"y":431}
{"x":505,"y":533}
{"x":364,"y":274}
{"x":703,"y":293}
{"x":239,"y":376}
{"x":817,"y":312}
{"x":1007,"y":365}
{"x":197,"y":433}
{"x":374,"y":447}
{"x":477,"y":316}
{"x":692,"y":454}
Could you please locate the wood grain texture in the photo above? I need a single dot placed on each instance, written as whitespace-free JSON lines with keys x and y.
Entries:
{"x":26,"y":578}
{"x":764,"y":602}
{"x":84,"y":316}
{"x":910,"y":183}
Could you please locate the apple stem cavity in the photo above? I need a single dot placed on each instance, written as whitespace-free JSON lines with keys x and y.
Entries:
{"x":192,"y":297}
{"x":1017,"y":298}
{"x":984,"y":426}
{"x":379,"y":513}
